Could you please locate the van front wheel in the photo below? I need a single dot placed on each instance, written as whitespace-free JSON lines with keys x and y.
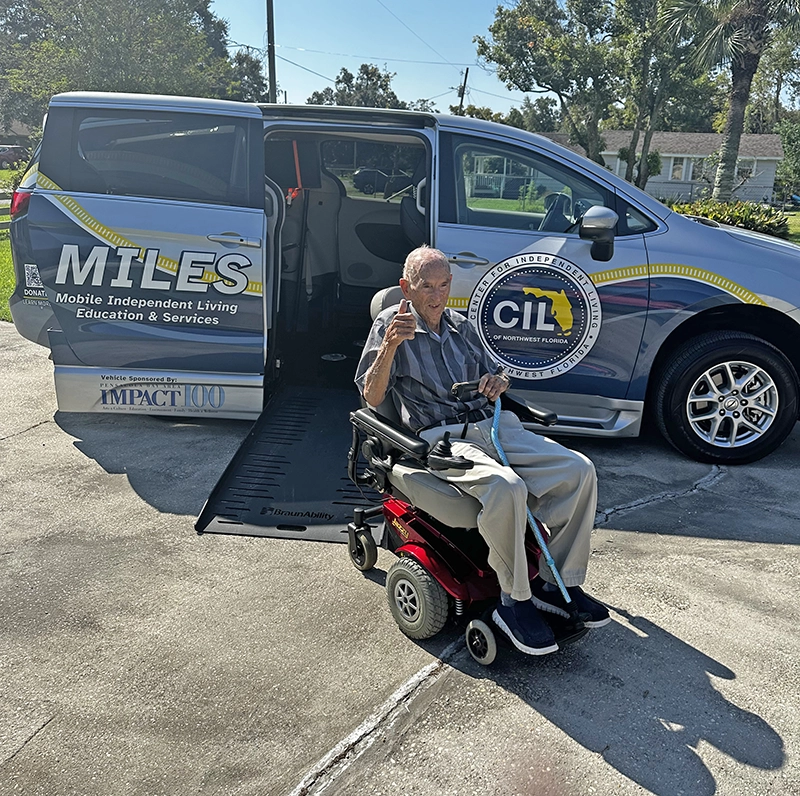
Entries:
{"x":727,"y":398}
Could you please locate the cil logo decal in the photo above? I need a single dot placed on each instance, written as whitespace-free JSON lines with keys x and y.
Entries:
{"x":537,"y":313}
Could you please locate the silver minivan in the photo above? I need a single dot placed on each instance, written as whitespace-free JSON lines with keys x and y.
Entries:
{"x":186,"y":256}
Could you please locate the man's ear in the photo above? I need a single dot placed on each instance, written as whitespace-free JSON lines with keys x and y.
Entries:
{"x":404,"y":286}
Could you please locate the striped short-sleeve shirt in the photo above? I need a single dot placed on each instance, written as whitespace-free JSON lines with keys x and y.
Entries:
{"x":425,"y":368}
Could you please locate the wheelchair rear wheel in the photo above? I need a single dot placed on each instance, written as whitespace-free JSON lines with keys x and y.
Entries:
{"x":417,"y":602}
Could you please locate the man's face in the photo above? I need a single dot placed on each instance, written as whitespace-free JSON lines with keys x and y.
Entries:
{"x":429,"y":292}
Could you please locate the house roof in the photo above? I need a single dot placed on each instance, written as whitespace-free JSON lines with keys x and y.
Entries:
{"x":699,"y":144}
{"x":696,"y":144}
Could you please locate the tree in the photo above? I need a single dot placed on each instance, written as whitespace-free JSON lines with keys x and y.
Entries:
{"x":732,"y":33}
{"x":778,"y":77}
{"x":476,"y":112}
{"x":562,"y":48}
{"x":152,"y":46}
{"x":247,"y":82}
{"x":789,"y":168}
{"x":369,"y":88}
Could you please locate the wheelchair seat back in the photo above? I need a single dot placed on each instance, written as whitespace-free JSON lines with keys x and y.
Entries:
{"x":413,"y":482}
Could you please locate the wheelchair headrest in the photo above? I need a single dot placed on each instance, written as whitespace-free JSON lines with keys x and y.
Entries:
{"x":387,"y":297}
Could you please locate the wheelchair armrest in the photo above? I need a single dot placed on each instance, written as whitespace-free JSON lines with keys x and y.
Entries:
{"x":526,"y":410}
{"x":400,"y":438}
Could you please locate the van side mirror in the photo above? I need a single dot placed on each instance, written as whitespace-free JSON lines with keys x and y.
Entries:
{"x":598,"y":225}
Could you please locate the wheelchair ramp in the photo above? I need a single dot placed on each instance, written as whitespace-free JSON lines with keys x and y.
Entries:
{"x":289,"y":477}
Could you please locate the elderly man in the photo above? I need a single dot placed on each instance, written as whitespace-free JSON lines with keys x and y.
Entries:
{"x":415,"y":353}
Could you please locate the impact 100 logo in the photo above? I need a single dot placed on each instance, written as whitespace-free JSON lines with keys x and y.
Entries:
{"x":178,"y":396}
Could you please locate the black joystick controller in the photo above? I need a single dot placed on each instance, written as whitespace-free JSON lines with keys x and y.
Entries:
{"x":441,"y":457}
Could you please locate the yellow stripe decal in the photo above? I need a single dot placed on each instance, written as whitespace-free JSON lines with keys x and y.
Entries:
{"x":680,"y":272}
{"x":108,"y":235}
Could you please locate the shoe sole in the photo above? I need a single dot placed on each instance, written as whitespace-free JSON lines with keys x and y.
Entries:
{"x":597,"y":622}
{"x":517,"y":643}
{"x":549,"y":608}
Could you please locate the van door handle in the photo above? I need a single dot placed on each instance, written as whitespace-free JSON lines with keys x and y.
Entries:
{"x":235,"y":238}
{"x":467,"y":259}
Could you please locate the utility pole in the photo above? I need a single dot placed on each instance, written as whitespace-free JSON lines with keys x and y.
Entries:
{"x":462,"y":91}
{"x":273,"y":92}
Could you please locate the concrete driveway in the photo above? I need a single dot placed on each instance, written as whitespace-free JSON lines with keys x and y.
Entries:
{"x":139,"y":658}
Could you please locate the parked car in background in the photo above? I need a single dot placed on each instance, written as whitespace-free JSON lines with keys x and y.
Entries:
{"x":369,"y":181}
{"x":12,"y":156}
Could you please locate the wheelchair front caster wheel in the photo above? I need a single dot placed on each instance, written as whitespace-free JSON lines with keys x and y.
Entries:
{"x":366,"y":553}
{"x":481,"y":642}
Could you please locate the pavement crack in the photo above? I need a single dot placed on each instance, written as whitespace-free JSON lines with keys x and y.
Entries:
{"x":28,"y":740}
{"x":348,"y":749}
{"x":26,"y":430}
{"x":708,"y":481}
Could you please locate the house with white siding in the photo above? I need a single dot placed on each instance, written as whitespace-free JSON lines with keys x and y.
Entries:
{"x":687,"y":163}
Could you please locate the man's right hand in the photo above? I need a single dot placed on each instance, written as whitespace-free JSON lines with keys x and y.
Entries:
{"x":402,"y":326}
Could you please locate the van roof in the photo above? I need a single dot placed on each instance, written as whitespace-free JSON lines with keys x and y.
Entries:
{"x":161,"y":102}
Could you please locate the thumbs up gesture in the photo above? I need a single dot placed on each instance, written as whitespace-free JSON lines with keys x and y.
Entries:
{"x":402,"y":327}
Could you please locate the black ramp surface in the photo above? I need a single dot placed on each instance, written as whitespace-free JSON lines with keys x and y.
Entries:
{"x":289,"y":477}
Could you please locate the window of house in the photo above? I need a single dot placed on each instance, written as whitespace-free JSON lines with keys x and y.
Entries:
{"x":677,"y":168}
{"x":745,"y":167}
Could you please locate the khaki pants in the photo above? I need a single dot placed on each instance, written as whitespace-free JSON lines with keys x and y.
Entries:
{"x":559,"y":486}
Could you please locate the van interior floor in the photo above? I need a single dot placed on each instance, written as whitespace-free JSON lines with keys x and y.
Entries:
{"x":289,"y":477}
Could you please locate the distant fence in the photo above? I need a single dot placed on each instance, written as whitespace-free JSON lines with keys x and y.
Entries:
{"x":5,"y":221}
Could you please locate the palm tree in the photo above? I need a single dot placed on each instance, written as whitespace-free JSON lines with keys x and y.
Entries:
{"x":731,"y":33}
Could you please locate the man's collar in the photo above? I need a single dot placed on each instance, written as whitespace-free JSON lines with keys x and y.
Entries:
{"x":446,"y":321}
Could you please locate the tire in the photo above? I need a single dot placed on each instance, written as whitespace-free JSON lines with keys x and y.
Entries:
{"x":366,"y":551}
{"x":417,"y":602}
{"x":727,"y":398}
{"x":481,"y":642}
{"x":368,"y":189}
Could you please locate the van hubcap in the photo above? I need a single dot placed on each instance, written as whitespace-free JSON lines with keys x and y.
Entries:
{"x":732,"y":404}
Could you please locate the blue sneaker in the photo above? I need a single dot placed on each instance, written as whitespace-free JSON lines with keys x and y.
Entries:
{"x":525,"y":628}
{"x":592,"y":612}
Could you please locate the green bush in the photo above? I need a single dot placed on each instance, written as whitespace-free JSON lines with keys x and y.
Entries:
{"x":750,"y":215}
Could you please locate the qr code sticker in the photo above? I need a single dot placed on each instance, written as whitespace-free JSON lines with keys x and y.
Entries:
{"x":32,"y":278}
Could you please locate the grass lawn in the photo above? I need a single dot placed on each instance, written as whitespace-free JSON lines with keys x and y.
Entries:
{"x":794,"y":227}
{"x":6,"y":276}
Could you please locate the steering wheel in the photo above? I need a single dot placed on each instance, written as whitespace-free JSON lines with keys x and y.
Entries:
{"x":555,"y":219}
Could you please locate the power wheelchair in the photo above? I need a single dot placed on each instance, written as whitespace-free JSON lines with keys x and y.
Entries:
{"x":431,"y":525}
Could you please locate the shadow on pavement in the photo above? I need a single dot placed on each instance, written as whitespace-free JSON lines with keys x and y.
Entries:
{"x":172,"y":464}
{"x":641,"y":698}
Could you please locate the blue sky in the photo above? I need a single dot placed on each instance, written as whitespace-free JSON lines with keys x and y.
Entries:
{"x":323,"y":36}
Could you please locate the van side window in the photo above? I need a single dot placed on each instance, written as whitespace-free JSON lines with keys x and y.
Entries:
{"x":633,"y":221}
{"x":160,"y":155}
{"x":501,"y":186}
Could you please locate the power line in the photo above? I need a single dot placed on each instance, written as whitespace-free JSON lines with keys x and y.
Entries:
{"x":381,"y":3}
{"x":374,"y":57}
{"x":300,"y":66}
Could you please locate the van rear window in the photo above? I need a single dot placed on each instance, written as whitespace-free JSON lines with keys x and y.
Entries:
{"x":190,"y":157}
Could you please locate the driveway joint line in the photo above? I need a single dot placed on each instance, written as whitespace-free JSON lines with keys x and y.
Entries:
{"x":26,"y":430}
{"x":709,"y":480}
{"x":363,"y":734}
{"x":27,"y":741}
